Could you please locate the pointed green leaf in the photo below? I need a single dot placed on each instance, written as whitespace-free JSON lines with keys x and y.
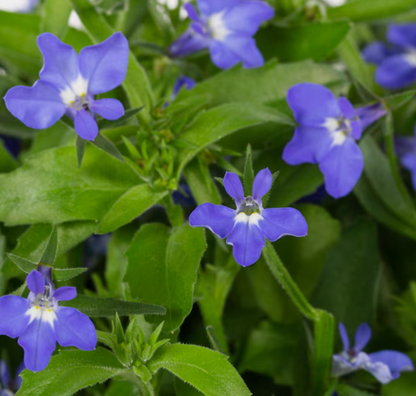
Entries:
{"x":7,"y":162}
{"x":50,"y":252}
{"x":64,"y":274}
{"x":55,"y":17}
{"x":80,"y":144}
{"x":107,"y":146}
{"x":248,"y":173}
{"x":25,"y":265}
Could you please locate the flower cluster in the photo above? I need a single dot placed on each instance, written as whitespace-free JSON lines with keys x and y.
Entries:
{"x":247,"y":226}
{"x":40,"y":322}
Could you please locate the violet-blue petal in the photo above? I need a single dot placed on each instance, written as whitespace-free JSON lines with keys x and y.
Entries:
{"x":362,"y":337}
{"x":409,"y":162}
{"x":222,"y":56}
{"x":192,"y":12}
{"x":376,"y":52}
{"x":404,"y":145}
{"x":4,"y":375}
{"x":396,"y":361}
{"x":308,"y":145}
{"x":312,"y":104}
{"x":208,"y":7}
{"x":367,"y":115}
{"x":245,"y":48}
{"x":403,"y":35}
{"x":85,"y":125}
{"x":14,"y":318}
{"x":73,"y":328}
{"x":18,"y":378}
{"x":247,"y":240}
{"x":344,"y":337}
{"x":342,"y":168}
{"x":217,"y":218}
{"x":35,"y":282}
{"x":38,"y":107}
{"x":181,"y":82}
{"x":247,"y":16}
{"x":396,"y":72}
{"x":110,"y":109}
{"x":380,"y":371}
{"x":104,"y":65}
{"x":188,"y":43}
{"x":279,"y":222}
{"x":60,"y":62}
{"x":262,"y":184}
{"x":65,"y":293}
{"x":346,"y":107}
{"x":356,"y":129}
{"x":38,"y":342}
{"x":233,"y":186}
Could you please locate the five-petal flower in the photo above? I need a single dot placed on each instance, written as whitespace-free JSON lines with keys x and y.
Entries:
{"x":247,"y":226}
{"x":226,"y":27}
{"x":384,"y":365}
{"x":326,"y":134}
{"x":40,"y":322}
{"x":68,"y":83}
{"x":396,"y":64}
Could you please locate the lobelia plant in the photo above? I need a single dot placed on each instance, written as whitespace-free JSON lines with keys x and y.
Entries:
{"x":114,"y":133}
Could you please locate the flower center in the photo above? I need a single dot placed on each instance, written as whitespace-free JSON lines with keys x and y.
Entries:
{"x":81,"y":103}
{"x":45,"y":301}
{"x":248,"y":206}
{"x":340,"y":129}
{"x":410,"y":56}
{"x":216,"y":26}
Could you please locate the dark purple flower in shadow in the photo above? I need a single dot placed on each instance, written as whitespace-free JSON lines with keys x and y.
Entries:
{"x":405,"y":147}
{"x":327,"y":133}
{"x":181,"y":82}
{"x":247,"y":226}
{"x":8,"y":385}
{"x":68,"y":83}
{"x":396,"y":63}
{"x":385,"y":366}
{"x":40,"y":322}
{"x":226,"y":28}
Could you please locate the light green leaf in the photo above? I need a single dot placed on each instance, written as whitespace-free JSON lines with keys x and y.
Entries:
{"x":51,"y":250}
{"x":25,"y":265}
{"x":162,"y":269}
{"x":64,"y":274}
{"x":129,"y":206}
{"x":7,"y":162}
{"x":55,"y":17}
{"x":71,"y":371}
{"x":208,"y":371}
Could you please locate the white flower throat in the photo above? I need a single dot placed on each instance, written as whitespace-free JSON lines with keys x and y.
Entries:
{"x":340,"y":129}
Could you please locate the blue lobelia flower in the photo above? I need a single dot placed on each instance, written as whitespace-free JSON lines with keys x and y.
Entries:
{"x":183,"y":81}
{"x":40,"y":322}
{"x":68,"y":83}
{"x":385,"y":366}
{"x":326,"y":134}
{"x":9,"y":385}
{"x":405,"y":147}
{"x":247,"y":226}
{"x":396,"y":63}
{"x":226,"y":27}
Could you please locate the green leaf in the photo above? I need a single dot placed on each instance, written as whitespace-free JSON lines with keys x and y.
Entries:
{"x":25,"y":265}
{"x":96,"y":307}
{"x":162,"y":269}
{"x":201,"y":183}
{"x":71,"y":371}
{"x":346,"y":390}
{"x":107,"y":146}
{"x":368,"y":10}
{"x":51,"y":250}
{"x":248,"y":173}
{"x":7,"y":162}
{"x":130,"y":206}
{"x":394,"y":102}
{"x":64,"y":274}
{"x":136,"y":83}
{"x":349,"y":284}
{"x":297,"y":43}
{"x":50,"y":187}
{"x":80,"y":144}
{"x":55,"y":17}
{"x":206,"y":370}
{"x":403,"y":386}
{"x":221,"y":121}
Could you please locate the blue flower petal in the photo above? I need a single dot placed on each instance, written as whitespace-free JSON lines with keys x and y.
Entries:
{"x":244,"y":48}
{"x":85,"y":125}
{"x":278,"y":222}
{"x":308,"y":145}
{"x":181,"y":82}
{"x":377,"y":52}
{"x":396,"y":72}
{"x":342,"y":168}
{"x":14,"y":318}
{"x":192,"y":12}
{"x":4,"y":375}
{"x":104,"y":65}
{"x":312,"y":104}
{"x":409,"y":162}
{"x":403,"y":35}
{"x":369,"y":114}
{"x":247,"y":16}
{"x":111,"y":109}
{"x":362,"y":337}
{"x":247,"y":239}
{"x":65,"y":293}
{"x":38,"y":342}
{"x":262,"y":184}
{"x":356,"y":129}
{"x":60,"y":62}
{"x":222,"y":56}
{"x":208,"y":7}
{"x":38,"y":107}
{"x":233,"y":186}
{"x":18,"y":378}
{"x":217,"y":218}
{"x":395,"y":361}
{"x":35,"y":282}
{"x":344,"y":337}
{"x":73,"y":328}
{"x":346,"y":107}
{"x":189,"y":43}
